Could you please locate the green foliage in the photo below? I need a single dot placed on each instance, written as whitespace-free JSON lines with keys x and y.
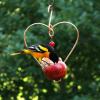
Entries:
{"x":21,"y":78}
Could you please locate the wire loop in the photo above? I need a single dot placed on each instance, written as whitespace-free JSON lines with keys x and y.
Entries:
{"x":50,"y":31}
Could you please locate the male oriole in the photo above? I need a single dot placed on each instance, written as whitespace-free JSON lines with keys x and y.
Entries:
{"x":39,"y":51}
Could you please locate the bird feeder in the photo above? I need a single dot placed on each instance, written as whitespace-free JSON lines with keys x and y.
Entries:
{"x":53,"y":71}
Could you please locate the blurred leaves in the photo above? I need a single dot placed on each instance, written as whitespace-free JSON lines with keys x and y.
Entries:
{"x":21,"y":77}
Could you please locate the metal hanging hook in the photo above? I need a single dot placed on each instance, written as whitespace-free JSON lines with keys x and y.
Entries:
{"x":50,"y":10}
{"x":51,"y":2}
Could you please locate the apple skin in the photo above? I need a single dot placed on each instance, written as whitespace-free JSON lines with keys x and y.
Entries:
{"x":55,"y":71}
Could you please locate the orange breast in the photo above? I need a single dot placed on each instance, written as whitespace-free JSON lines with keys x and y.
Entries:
{"x":40,"y":55}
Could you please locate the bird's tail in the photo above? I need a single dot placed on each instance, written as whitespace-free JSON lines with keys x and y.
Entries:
{"x":16,"y":53}
{"x":24,"y":51}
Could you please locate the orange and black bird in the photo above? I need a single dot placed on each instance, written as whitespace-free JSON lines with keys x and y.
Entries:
{"x":39,"y":51}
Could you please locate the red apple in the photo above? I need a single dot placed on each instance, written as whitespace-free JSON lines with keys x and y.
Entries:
{"x":55,"y":71}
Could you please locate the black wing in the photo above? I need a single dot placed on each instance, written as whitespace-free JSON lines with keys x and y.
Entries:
{"x":36,"y":48}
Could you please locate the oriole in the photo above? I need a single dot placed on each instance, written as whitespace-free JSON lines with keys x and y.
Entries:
{"x":39,"y":51}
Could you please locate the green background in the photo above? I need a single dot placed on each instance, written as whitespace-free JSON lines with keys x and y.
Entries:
{"x":20,"y":76}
